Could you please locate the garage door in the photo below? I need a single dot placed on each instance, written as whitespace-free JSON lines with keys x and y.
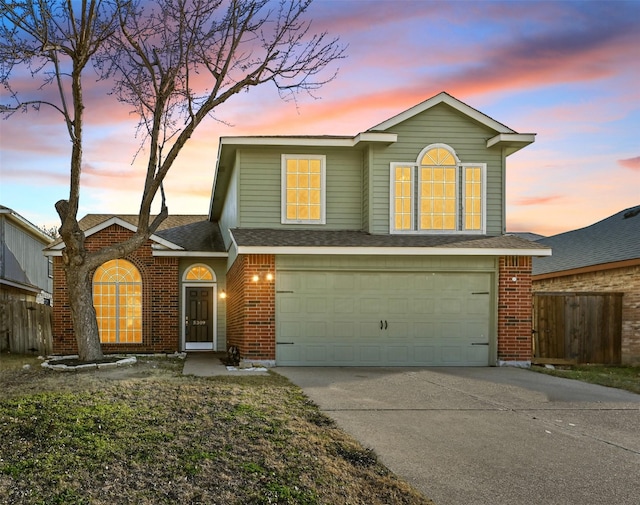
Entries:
{"x":383,"y":318}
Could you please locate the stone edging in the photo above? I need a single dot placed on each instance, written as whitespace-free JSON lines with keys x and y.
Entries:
{"x":50,"y":363}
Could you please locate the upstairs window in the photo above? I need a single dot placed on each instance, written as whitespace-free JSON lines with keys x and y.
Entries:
{"x":303,"y":189}
{"x":438,"y":194}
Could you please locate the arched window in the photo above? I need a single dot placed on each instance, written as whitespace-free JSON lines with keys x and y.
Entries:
{"x":438,"y":193}
{"x":438,"y":180}
{"x":117,"y":298}
{"x":199,"y":273}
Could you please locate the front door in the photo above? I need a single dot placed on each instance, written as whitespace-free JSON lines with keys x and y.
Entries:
{"x":199,"y":319}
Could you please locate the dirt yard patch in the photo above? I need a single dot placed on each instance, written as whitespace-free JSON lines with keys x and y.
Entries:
{"x":146,"y":434}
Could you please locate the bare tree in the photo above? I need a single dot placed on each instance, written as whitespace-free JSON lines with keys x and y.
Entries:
{"x":173,"y":62}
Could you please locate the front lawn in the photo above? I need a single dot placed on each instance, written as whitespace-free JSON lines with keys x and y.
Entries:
{"x":148,"y":435}
{"x":621,"y":377}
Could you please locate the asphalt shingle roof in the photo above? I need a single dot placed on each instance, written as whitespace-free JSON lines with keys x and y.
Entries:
{"x":616,"y":238}
{"x":261,"y":237}
{"x":191,"y":232}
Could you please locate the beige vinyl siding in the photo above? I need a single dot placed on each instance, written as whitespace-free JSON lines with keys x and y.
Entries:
{"x":260,"y":188}
{"x":440,"y":124}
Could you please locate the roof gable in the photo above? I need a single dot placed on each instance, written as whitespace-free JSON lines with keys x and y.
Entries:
{"x":614,"y":239}
{"x":449,"y":100}
{"x":175,"y":233}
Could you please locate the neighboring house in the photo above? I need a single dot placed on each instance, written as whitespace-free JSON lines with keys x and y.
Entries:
{"x":527,"y":235}
{"x":603,"y":257}
{"x":385,"y":248}
{"x":25,"y":274}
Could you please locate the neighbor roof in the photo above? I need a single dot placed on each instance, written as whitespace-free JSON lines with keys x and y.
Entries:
{"x":612,"y":240}
{"x":256,"y":240}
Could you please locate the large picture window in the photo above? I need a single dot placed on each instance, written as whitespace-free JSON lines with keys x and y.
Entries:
{"x":437,"y":194}
{"x":117,"y":298}
{"x":303,"y":189}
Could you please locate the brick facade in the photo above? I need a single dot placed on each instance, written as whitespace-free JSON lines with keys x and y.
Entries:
{"x":514,"y":309}
{"x":160,"y":300}
{"x":625,"y":280}
{"x":251,"y":307}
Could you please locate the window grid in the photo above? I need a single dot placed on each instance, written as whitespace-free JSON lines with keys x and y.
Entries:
{"x":473,"y":198}
{"x":303,"y":189}
{"x":448,"y":196}
{"x":403,"y":197}
{"x":438,"y":195}
{"x":199,"y":273}
{"x":117,"y":298}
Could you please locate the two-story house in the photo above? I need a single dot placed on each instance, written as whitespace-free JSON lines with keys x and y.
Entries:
{"x":385,"y":248}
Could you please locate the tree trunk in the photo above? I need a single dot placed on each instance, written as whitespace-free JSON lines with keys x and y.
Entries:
{"x":83,"y":313}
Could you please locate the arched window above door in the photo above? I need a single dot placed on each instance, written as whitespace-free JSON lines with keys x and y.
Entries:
{"x":199,"y":273}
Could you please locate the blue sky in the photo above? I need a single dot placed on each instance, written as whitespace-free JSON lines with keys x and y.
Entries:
{"x":568,"y":71}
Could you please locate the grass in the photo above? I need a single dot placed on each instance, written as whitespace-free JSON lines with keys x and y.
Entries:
{"x":148,"y":435}
{"x":620,"y":377}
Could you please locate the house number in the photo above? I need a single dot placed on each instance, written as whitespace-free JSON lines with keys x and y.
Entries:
{"x":198,"y":323}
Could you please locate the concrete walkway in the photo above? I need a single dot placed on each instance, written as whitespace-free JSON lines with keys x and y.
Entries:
{"x":209,"y":364}
{"x":488,"y":435}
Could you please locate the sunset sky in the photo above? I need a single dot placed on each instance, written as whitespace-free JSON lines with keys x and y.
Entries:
{"x":568,"y":71}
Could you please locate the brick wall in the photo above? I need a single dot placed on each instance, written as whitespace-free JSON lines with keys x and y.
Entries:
{"x":514,"y":309}
{"x":251,"y":307}
{"x":625,"y":280}
{"x":160,"y":301}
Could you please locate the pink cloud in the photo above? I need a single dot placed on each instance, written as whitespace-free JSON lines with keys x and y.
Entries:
{"x":539,"y":200}
{"x":630,"y":163}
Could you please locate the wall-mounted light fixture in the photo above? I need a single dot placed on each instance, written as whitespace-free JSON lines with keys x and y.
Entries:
{"x":268,"y":277}
{"x":223,"y":294}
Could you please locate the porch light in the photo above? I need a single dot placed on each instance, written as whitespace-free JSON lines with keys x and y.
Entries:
{"x":223,"y":294}
{"x":255,"y":278}
{"x":269,"y":276}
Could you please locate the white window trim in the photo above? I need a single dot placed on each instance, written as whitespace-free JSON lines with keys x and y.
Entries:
{"x":283,"y":188}
{"x":194,"y":265}
{"x":483,"y":193}
{"x":392,"y":197}
{"x":460,"y":200}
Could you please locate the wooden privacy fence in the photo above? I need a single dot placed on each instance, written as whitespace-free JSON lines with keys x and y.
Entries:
{"x":578,"y":327}
{"x":25,"y":327}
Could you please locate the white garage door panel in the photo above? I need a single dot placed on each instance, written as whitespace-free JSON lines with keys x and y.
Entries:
{"x":380,"y":318}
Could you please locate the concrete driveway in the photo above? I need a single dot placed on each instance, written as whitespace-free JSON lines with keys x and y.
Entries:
{"x":488,"y":435}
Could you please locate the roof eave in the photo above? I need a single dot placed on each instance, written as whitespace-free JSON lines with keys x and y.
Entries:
{"x":511,"y":142}
{"x":26,"y":225}
{"x":394,"y":251}
{"x":228,"y":145}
